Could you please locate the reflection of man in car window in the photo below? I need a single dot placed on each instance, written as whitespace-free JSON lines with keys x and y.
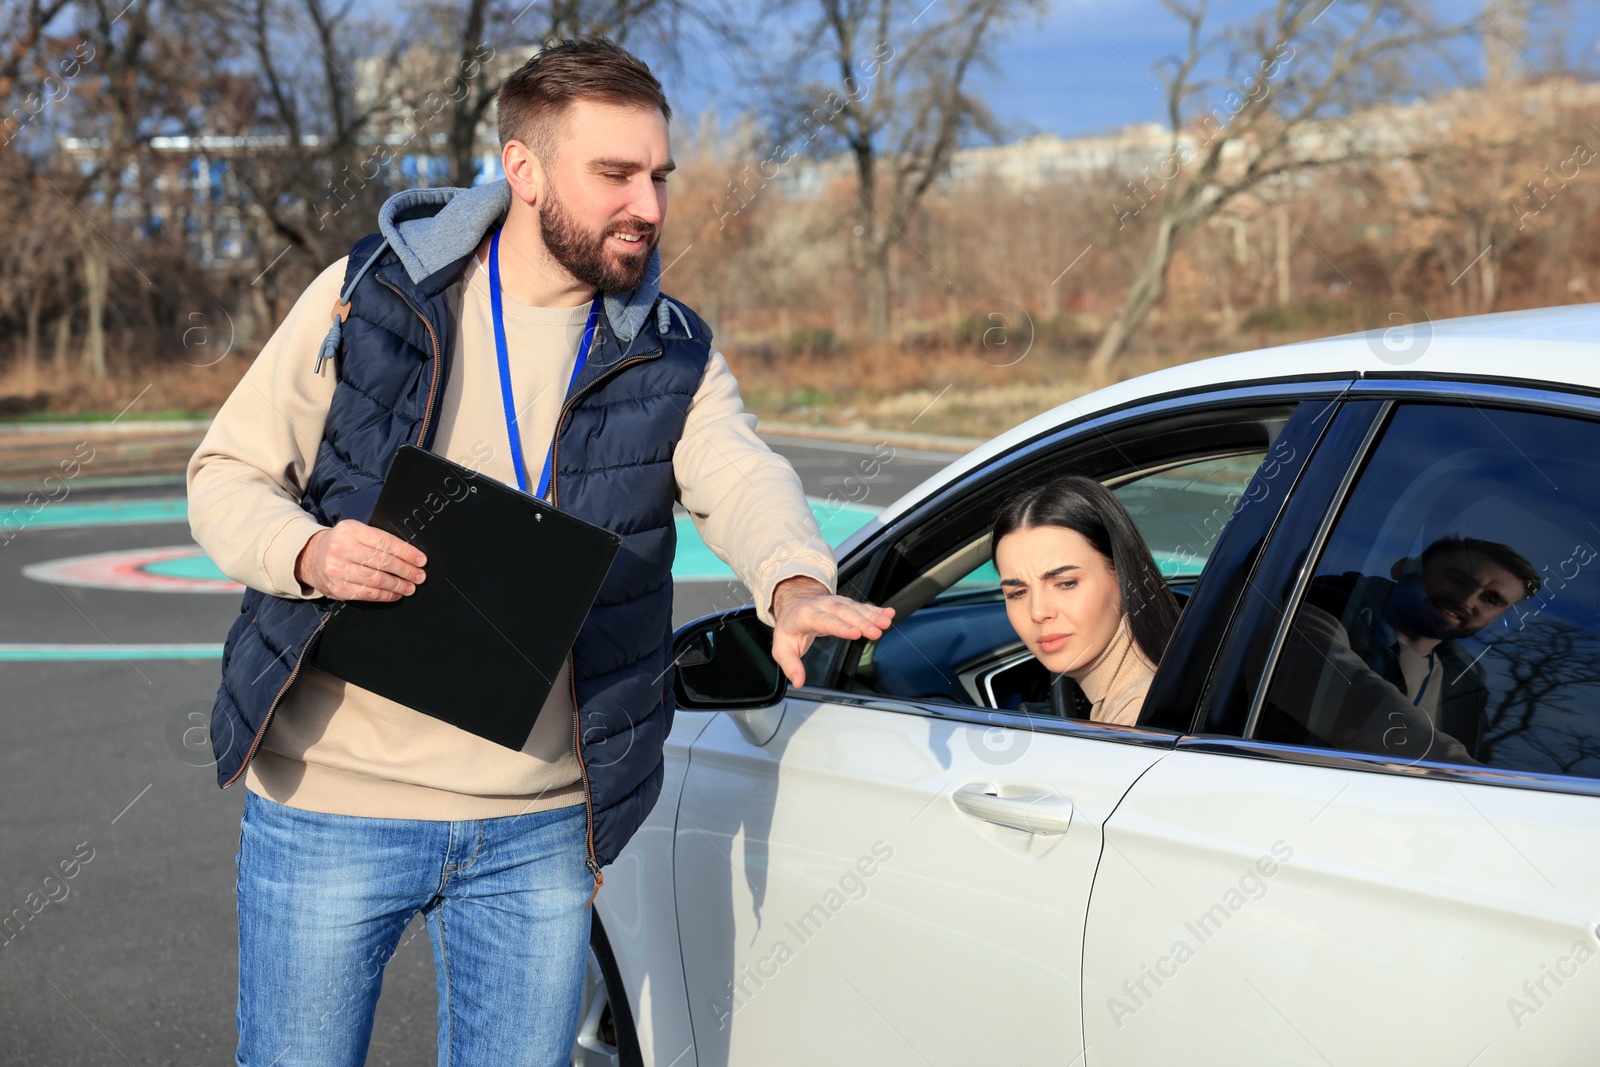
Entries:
{"x":1378,"y":638}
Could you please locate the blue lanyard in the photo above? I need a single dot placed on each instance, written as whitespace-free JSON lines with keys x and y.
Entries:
{"x":505,"y":372}
{"x":1417,"y":703}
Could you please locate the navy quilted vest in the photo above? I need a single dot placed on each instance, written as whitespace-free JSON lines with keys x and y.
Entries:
{"x":613,"y":467}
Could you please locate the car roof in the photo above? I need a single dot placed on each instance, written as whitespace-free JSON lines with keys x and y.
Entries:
{"x":1558,"y":345}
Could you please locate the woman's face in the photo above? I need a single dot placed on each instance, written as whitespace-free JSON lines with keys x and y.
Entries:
{"x":1061,"y":595}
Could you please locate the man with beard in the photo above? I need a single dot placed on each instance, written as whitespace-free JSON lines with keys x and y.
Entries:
{"x":517,"y":328}
{"x":1375,"y":664}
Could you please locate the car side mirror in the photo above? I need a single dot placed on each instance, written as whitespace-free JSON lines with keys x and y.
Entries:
{"x":725,"y":663}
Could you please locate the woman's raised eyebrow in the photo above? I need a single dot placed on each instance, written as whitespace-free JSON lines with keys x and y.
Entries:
{"x":1045,"y":577}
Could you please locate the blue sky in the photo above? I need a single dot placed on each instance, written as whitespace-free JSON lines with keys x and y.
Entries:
{"x":1087,"y":66}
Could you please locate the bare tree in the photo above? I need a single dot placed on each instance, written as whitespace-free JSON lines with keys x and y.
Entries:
{"x":124,"y":41}
{"x":488,"y":39}
{"x":1545,"y":711}
{"x":890,"y":82}
{"x":1503,"y":45}
{"x":24,"y":27}
{"x":89,"y":68}
{"x":302,"y":188}
{"x":32,"y":271}
{"x":472,"y":91}
{"x":28,"y":259}
{"x":101,"y":86}
{"x":1294,"y":76}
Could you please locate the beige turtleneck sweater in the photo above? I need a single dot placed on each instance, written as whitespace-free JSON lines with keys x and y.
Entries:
{"x":335,"y":747}
{"x":1117,"y":680}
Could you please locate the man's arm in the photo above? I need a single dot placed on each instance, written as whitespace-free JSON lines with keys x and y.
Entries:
{"x":1318,"y":670}
{"x":751,"y":510}
{"x":246,"y":479}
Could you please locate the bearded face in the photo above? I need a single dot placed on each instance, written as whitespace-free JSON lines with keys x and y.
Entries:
{"x":612,"y":258}
{"x":1454,"y":594}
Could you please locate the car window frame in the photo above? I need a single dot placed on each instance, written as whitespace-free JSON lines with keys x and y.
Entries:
{"x":863,"y":569}
{"x":1368,"y":410}
{"x":1181,"y":692}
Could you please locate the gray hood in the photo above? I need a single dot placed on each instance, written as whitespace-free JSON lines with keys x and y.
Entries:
{"x":429,"y":229}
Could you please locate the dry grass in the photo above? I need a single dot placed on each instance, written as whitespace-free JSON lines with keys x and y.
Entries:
{"x":166,"y":389}
{"x":930,"y":384}
{"x":943,"y":386}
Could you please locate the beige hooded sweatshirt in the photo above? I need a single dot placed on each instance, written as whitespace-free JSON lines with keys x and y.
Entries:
{"x":337,"y":748}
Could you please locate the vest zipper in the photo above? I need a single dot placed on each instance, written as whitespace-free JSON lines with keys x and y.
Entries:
{"x":433,"y":391}
{"x":590,"y":860}
{"x":566,"y":409}
{"x":433,"y":388}
{"x":266,"y":720}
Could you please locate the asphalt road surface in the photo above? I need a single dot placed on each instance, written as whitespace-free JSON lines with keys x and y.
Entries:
{"x":117,"y":927}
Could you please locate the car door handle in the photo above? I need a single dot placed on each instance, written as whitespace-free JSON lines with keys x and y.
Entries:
{"x":1043,"y":812}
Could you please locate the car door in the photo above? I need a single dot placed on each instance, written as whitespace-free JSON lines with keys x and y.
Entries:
{"x":1317,"y":875}
{"x":881,"y":870}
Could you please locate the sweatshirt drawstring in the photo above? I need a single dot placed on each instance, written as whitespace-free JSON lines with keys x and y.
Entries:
{"x":341,"y":311}
{"x":664,"y":317}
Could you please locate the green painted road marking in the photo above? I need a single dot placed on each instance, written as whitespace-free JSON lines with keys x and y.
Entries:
{"x":57,"y":653}
{"x":693,"y":562}
{"x":38,"y":487}
{"x":1172,"y":565}
{"x":984,"y":575}
{"x":104,"y":513}
{"x":197,"y":567}
{"x":696,"y":562}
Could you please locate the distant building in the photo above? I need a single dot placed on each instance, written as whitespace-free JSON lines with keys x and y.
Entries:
{"x":195,"y":184}
{"x":1047,"y":158}
{"x":197,"y":188}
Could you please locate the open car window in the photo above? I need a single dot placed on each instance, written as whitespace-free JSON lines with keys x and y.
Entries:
{"x":1181,"y":511}
{"x":1454,"y":613}
{"x":952,"y":643}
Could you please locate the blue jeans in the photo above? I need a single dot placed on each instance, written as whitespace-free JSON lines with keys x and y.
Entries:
{"x":323,"y":900}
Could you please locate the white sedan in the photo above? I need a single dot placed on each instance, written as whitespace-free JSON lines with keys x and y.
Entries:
{"x":927,"y":855}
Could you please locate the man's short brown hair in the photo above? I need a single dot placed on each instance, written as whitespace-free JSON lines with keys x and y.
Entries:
{"x":1495,"y":552}
{"x":535,"y":99}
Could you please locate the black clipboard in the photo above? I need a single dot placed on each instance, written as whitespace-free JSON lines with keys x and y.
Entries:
{"x":509,"y":583}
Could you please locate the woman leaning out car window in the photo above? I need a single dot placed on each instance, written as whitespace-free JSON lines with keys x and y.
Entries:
{"x":1083,"y":592}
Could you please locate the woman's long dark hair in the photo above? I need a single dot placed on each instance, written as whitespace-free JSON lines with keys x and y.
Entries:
{"x":1088,"y":508}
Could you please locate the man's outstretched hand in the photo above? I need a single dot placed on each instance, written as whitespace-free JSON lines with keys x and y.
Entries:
{"x":354,"y":561}
{"x":804,"y":609}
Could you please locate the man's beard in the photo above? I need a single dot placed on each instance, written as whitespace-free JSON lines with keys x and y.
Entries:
{"x":1414,"y":612}
{"x":584,"y":254}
